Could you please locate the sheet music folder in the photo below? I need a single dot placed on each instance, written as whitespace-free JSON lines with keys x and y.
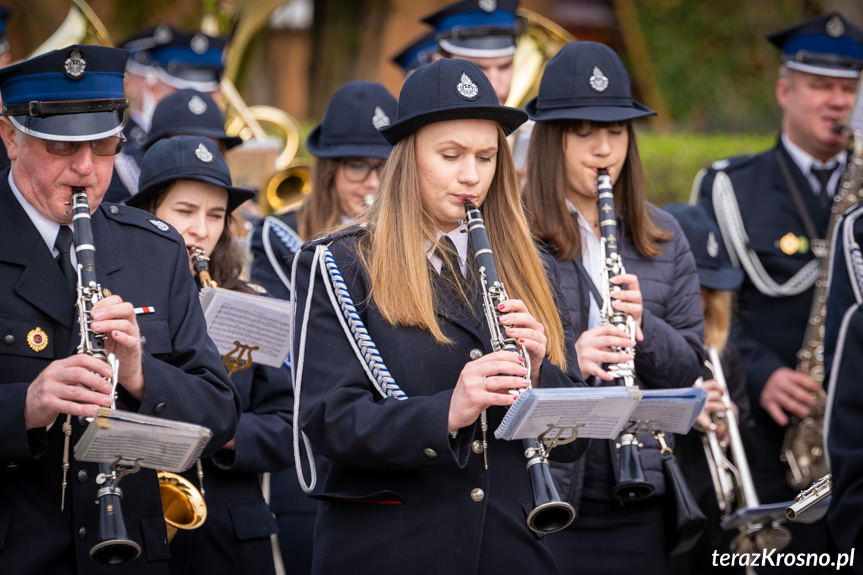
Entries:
{"x":253,"y":320}
{"x":601,"y":412}
{"x":153,"y":442}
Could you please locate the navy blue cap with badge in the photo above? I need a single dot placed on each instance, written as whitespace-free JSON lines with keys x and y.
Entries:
{"x":351,"y":122}
{"x":585,"y":81}
{"x":827,"y":46}
{"x":186,"y":158}
{"x":714,"y":267}
{"x":476,"y":28}
{"x":74,"y":94}
{"x":189,"y":111}
{"x":417,"y":53}
{"x":449,"y":89}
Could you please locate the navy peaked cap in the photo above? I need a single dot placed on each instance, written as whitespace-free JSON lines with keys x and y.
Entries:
{"x":417,"y":53}
{"x":715,"y":270}
{"x":189,"y":111}
{"x":585,"y":81}
{"x":186,"y":158}
{"x":476,"y":28}
{"x":449,"y":89}
{"x":351,"y":122}
{"x":828,"y":46}
{"x":71,"y":94}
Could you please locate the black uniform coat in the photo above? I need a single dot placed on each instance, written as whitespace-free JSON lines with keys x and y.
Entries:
{"x":671,"y":354}
{"x":184,"y":381}
{"x":262,"y":271}
{"x":235,"y":538}
{"x":399,"y":494}
{"x":769,"y":331}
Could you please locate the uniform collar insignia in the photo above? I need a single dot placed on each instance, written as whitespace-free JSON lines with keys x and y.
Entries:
{"x":37,"y":339}
{"x":466,"y":88}
{"x":712,"y":245}
{"x":203,"y":154}
{"x":197,"y":106}
{"x":598,"y":81}
{"x":835,"y":28}
{"x":160,"y":225}
{"x":380,"y":119}
{"x":75,"y":65}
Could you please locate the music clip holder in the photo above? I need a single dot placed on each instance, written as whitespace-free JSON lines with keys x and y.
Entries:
{"x":234,"y":361}
{"x":119,"y":469}
{"x":552,"y":437}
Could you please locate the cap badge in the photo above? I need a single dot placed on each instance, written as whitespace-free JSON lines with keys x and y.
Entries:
{"x":196,"y":105}
{"x":598,"y":81}
{"x":203,"y":154}
{"x":488,"y":5}
{"x":37,"y":339}
{"x":199,"y":44}
{"x":75,"y":65}
{"x":835,"y":28}
{"x":380,"y":119}
{"x":466,"y":88}
{"x":712,"y":245}
{"x":160,"y":225}
{"x":162,"y":34}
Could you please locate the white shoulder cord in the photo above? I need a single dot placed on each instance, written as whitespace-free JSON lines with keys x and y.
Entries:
{"x":735,"y":237}
{"x":853,"y":257}
{"x":128,"y":170}
{"x":695,"y":192}
{"x":831,"y":389}
{"x":357,"y":335}
{"x":288,"y":236}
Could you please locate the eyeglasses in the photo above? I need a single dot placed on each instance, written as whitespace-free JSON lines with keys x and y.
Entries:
{"x":104,"y":147}
{"x":357,"y":171}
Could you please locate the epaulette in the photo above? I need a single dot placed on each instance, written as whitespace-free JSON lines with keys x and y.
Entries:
{"x":731,"y":164}
{"x":127,"y":215}
{"x":335,"y":236}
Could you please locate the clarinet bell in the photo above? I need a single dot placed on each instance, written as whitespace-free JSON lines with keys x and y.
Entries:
{"x":631,"y":484}
{"x":549,"y":513}
{"x":114,"y":546}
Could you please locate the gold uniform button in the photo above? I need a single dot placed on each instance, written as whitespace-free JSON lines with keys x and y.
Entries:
{"x":475,"y":353}
{"x":476,"y":446}
{"x":477,"y":494}
{"x":430,"y":452}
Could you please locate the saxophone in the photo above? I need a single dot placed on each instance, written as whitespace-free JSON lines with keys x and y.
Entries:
{"x":631,"y":483}
{"x":114,"y":546}
{"x":803,"y":448}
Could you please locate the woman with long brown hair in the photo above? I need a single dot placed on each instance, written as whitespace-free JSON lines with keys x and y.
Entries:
{"x":186,"y":183}
{"x":349,"y":155}
{"x":584,"y":116}
{"x":394,"y":403}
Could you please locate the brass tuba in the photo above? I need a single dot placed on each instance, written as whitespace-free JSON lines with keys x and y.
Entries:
{"x":81,"y":26}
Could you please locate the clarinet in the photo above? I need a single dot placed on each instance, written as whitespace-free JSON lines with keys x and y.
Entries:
{"x":114,"y":546}
{"x":549,"y":513}
{"x":631,"y":484}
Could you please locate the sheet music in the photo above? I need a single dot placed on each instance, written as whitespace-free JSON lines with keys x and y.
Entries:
{"x":155,"y":443}
{"x":252,"y":320}
{"x":603,"y":411}
{"x":671,"y":410}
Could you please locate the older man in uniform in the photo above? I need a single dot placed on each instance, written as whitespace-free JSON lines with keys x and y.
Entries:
{"x":150,"y":317}
{"x":773,"y":209}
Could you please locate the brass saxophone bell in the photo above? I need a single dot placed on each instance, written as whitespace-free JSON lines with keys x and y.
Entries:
{"x":631,"y":484}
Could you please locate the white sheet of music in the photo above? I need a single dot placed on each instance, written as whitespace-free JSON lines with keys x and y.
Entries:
{"x":153,"y":442}
{"x":252,"y":320}
{"x":601,"y":411}
{"x":671,"y":410}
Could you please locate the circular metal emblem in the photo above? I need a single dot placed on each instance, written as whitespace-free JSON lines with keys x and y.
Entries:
{"x":160,"y":225}
{"x":835,"y":27}
{"x":37,"y":339}
{"x":466,"y":88}
{"x":598,"y":81}
{"x":197,"y":105}
{"x":203,"y":154}
{"x":162,"y":35}
{"x":75,"y":65}
{"x":380,"y":119}
{"x":199,"y":44}
{"x":789,"y":244}
{"x":488,"y":5}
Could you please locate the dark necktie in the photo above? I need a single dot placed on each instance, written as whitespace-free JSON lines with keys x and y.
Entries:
{"x":447,"y":252}
{"x":823,"y":176}
{"x":63,"y":243}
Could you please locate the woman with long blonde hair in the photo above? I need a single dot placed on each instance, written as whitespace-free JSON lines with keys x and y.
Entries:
{"x":413,"y":482}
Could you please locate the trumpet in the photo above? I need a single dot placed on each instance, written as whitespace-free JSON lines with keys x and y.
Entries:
{"x":549,"y":513}
{"x":733,"y":481}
